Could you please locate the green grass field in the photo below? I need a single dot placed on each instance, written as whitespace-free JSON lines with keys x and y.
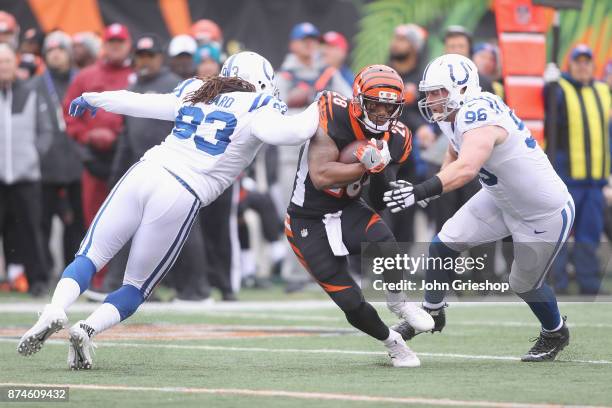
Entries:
{"x":264,"y":354}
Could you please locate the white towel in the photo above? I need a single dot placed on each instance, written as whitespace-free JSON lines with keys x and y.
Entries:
{"x":333,"y":228}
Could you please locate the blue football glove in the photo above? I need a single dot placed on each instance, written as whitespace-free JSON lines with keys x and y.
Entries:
{"x":79,"y":105}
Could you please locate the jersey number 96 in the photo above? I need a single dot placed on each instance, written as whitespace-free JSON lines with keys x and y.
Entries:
{"x":190,"y":117}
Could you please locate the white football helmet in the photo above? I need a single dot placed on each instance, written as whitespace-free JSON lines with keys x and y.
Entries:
{"x":455,"y":73}
{"x":253,"y":68}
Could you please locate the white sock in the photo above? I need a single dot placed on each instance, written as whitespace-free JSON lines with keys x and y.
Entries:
{"x":66,"y":293}
{"x":103,"y":318}
{"x":393,"y":337}
{"x":555,"y":329}
{"x":249,"y":267}
{"x":278,"y":250}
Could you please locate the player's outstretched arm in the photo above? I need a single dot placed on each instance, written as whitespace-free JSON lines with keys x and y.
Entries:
{"x":323,"y":166}
{"x":272,"y":127}
{"x":449,"y":157}
{"x":475,"y":150}
{"x":151,"y":106}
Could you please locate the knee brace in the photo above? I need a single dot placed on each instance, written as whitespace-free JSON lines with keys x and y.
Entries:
{"x":126,"y":299}
{"x":81,"y":269}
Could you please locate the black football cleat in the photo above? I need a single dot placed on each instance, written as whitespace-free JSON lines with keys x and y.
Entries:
{"x":548,"y":345}
{"x":408,"y":332}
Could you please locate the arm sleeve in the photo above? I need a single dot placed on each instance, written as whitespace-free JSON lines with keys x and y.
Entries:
{"x":379,"y":183}
{"x":271,"y":127}
{"x":150,"y":106}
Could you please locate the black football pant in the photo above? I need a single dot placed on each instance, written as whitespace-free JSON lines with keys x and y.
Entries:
{"x":20,"y":206}
{"x":309,"y":240}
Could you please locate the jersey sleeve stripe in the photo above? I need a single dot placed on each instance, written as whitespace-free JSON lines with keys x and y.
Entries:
{"x":356,"y":129}
{"x":255,"y":103}
{"x":181,"y":87}
{"x":324,"y":79}
{"x":330,"y":108}
{"x":407,"y":146}
{"x":324,"y":106}
{"x":265,"y":102}
{"x":497,"y":108}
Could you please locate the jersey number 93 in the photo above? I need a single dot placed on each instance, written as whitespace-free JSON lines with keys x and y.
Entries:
{"x":190,"y":117}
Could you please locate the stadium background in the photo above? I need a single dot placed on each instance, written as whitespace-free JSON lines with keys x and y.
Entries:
{"x":264,"y":25}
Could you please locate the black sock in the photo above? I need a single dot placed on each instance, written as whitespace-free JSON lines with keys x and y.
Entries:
{"x":366,"y":319}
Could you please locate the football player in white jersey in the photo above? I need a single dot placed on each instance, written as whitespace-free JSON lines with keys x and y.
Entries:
{"x":522,"y":196}
{"x":220,"y":124}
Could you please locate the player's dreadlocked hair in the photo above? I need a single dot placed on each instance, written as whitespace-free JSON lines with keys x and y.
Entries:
{"x":216,"y":85}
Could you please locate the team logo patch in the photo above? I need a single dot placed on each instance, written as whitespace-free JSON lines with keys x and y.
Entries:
{"x":385,"y":96}
{"x":304,"y":232}
{"x":523,"y":15}
{"x":452,"y":75}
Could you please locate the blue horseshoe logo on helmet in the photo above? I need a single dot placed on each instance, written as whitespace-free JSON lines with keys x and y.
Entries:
{"x":452,"y":76}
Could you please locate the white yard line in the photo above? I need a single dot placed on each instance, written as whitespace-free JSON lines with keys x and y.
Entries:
{"x":289,"y":317}
{"x":526,"y":324}
{"x":248,"y":306}
{"x":302,"y":395}
{"x":103,"y":344}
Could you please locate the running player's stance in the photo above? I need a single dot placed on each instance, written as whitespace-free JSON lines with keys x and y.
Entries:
{"x":327,"y":220}
{"x":220,"y":124}
{"x":522,"y":196}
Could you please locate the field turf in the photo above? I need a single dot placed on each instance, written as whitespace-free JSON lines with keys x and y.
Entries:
{"x":303,"y":353}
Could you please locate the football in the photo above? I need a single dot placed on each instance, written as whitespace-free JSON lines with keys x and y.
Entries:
{"x":347,"y":154}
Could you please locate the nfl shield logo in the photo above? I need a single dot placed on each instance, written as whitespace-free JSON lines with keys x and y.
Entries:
{"x":523,"y":15}
{"x":304,"y":232}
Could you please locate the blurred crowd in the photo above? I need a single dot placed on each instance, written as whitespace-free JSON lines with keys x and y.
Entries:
{"x":58,"y":170}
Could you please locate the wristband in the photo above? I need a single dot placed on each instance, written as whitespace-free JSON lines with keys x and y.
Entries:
{"x":429,"y":188}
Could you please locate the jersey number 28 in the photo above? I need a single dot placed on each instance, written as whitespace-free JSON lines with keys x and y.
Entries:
{"x":184,"y":129}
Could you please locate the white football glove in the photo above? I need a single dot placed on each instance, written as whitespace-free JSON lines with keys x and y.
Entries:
{"x":375,"y":160}
{"x":402,"y":196}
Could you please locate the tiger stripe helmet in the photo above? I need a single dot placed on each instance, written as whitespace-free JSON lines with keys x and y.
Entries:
{"x":376,"y":86}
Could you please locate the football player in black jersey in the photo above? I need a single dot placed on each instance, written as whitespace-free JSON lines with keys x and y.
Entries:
{"x":328,"y":220}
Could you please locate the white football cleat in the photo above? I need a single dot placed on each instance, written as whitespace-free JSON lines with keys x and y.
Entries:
{"x":50,"y":321}
{"x":413,"y":314}
{"x":80,"y":348}
{"x":401,"y":355}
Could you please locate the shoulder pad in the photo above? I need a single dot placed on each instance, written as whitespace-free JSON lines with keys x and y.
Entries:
{"x":179,"y":91}
{"x":333,"y":112}
{"x":478,"y":112}
{"x":400,"y":143}
{"x":261,"y":99}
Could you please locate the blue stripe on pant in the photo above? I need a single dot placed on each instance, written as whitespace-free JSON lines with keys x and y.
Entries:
{"x":89,"y":235}
{"x":566,"y":227}
{"x":170,"y":257}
